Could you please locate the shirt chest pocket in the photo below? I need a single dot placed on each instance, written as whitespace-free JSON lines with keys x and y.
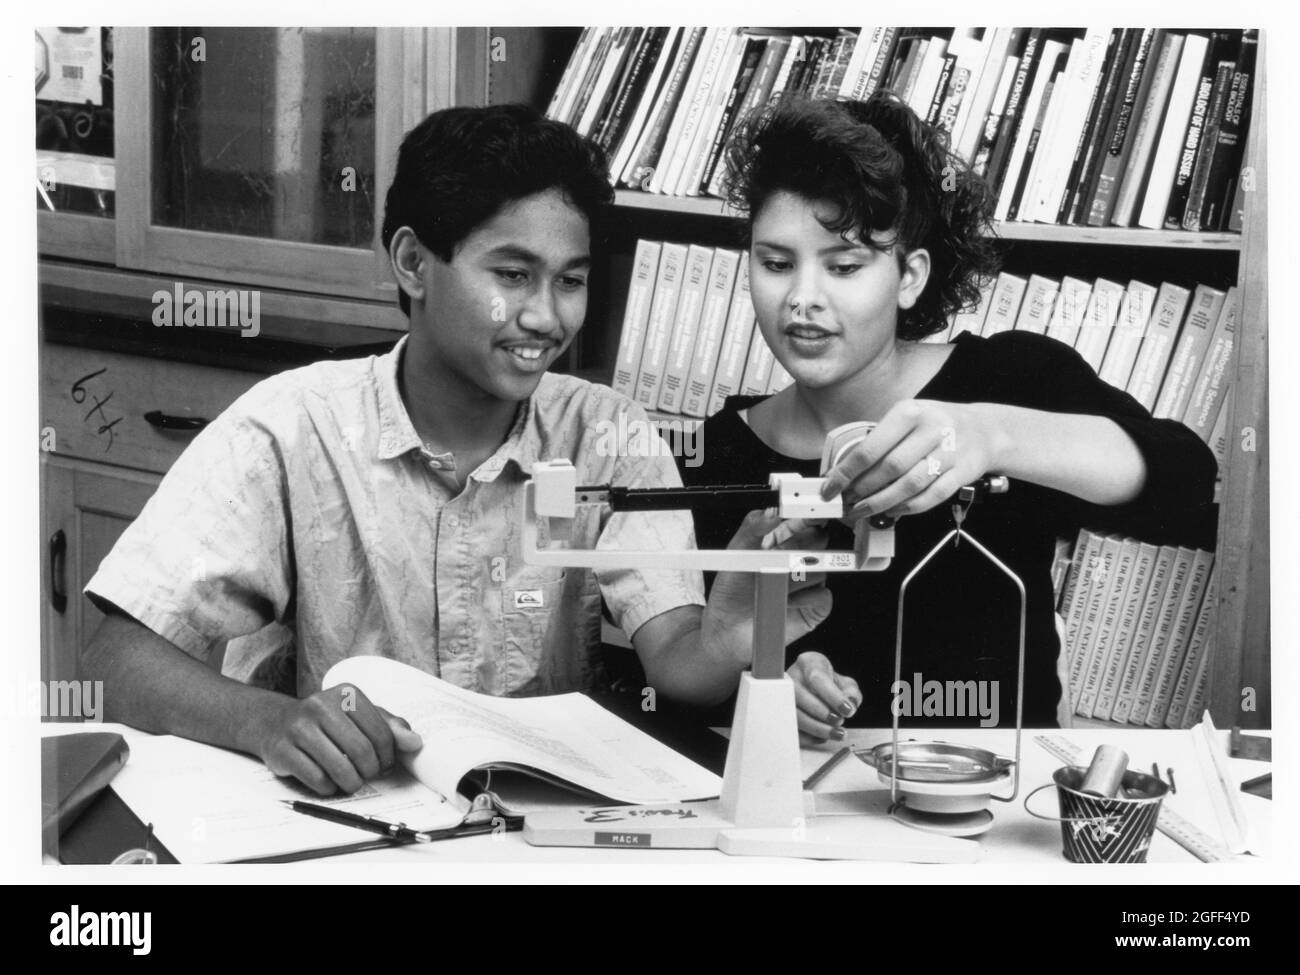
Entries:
{"x":531,"y":605}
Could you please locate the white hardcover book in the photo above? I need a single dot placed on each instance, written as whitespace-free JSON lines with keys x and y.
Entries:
{"x":685,"y":328}
{"x":584,"y":67}
{"x":1148,"y":615}
{"x":572,"y":72}
{"x":1036,"y":309}
{"x":1212,"y":384}
{"x":1196,"y":649}
{"x":1180,"y":635}
{"x":736,"y":338}
{"x":1099,"y":321}
{"x":758,"y":370}
{"x":1103,"y":579}
{"x":713,"y":323}
{"x":1004,"y":306}
{"x":1125,"y":632}
{"x":1067,"y":313}
{"x":1134,"y":316}
{"x":663,"y":311}
{"x":1173,"y":133}
{"x":631,"y":342}
{"x":1158,"y":646}
{"x":1158,"y":344}
{"x":1193,"y":341}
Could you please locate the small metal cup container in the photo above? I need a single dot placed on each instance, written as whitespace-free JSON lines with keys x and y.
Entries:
{"x":1105,"y":830}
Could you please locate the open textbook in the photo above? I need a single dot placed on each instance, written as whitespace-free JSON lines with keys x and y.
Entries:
{"x":209,"y":805}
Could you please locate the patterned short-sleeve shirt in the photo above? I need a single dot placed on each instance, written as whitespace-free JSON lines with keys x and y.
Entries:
{"x":313,"y":504}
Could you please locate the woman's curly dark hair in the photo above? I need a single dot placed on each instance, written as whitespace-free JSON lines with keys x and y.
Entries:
{"x":884,"y":171}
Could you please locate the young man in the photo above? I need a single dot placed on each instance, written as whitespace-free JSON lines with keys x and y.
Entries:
{"x":371,"y":506}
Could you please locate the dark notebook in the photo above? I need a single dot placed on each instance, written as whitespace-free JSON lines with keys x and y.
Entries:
{"x":74,"y":768}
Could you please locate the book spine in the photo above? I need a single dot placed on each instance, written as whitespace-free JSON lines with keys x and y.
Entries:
{"x":1068,"y":140}
{"x":1158,"y":646}
{"x":1209,"y":140}
{"x":1173,"y":133}
{"x":1101,"y":112}
{"x":1180,"y":192}
{"x":1104,"y":638}
{"x":1138,"y":164}
{"x":713,"y":135}
{"x":758,"y":370}
{"x":630,"y":147}
{"x":1125,"y":632}
{"x":736,"y":338}
{"x":1067,"y":314}
{"x":699,"y":111}
{"x":1103,"y":578}
{"x":1042,"y":141}
{"x":1114,"y":160}
{"x":631,"y":89}
{"x":1196,"y":647}
{"x":1203,"y":315}
{"x":1021,"y":86}
{"x":739,"y":96}
{"x":1201,"y":682}
{"x":572,"y":70}
{"x":1228,"y":152}
{"x":1148,"y":614}
{"x":863,"y":52}
{"x":1014,"y":180}
{"x":1184,"y":620}
{"x":1005,"y":304}
{"x":1158,"y":344}
{"x":1212,"y":383}
{"x":1099,"y":321}
{"x":988,"y":135}
{"x":646,"y":159}
{"x":1075,"y":596}
{"x":685,"y":328}
{"x":1134,"y":316}
{"x":663,"y":310}
{"x":595,"y":73}
{"x":884,"y":58}
{"x":713,"y":322}
{"x":617,"y":84}
{"x":631,"y":342}
{"x":947,"y":73}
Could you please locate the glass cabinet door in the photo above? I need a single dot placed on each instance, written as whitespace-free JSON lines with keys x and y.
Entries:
{"x":264,"y":153}
{"x":75,"y":147}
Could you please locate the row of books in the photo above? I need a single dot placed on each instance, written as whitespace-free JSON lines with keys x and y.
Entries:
{"x":1169,"y":347}
{"x":1127,"y":127}
{"x":1139,"y":630}
{"x":688,"y":339}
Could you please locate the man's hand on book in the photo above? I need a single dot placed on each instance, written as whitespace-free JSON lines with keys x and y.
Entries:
{"x":335,"y":739}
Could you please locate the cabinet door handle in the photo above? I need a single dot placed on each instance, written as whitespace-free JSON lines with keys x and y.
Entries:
{"x":166,"y":421}
{"x":58,"y":557}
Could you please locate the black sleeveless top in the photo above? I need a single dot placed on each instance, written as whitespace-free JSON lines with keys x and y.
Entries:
{"x":962,"y":613}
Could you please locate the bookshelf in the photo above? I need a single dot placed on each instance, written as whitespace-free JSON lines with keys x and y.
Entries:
{"x":1219,"y":259}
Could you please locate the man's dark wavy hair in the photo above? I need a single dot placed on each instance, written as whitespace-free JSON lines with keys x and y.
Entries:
{"x":884,"y":171}
{"x":460,"y":166}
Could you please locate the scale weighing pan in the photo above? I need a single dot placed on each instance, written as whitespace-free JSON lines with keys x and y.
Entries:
{"x":936,"y":761}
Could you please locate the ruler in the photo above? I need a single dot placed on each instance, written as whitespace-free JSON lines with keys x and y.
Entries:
{"x":1191,"y":838}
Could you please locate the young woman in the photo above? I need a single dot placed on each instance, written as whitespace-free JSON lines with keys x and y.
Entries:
{"x":866,"y":235}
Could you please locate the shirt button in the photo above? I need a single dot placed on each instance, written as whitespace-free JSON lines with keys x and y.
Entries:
{"x":452,"y":521}
{"x":435,"y":465}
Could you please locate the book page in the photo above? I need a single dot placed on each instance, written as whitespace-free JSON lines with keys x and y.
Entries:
{"x":567,"y":735}
{"x":208,"y":805}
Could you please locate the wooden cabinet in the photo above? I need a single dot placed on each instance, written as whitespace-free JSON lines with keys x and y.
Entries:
{"x":85,"y":508}
{"x":112,"y":424}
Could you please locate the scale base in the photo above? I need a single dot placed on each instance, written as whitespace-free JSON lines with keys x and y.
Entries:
{"x":868,"y":834}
